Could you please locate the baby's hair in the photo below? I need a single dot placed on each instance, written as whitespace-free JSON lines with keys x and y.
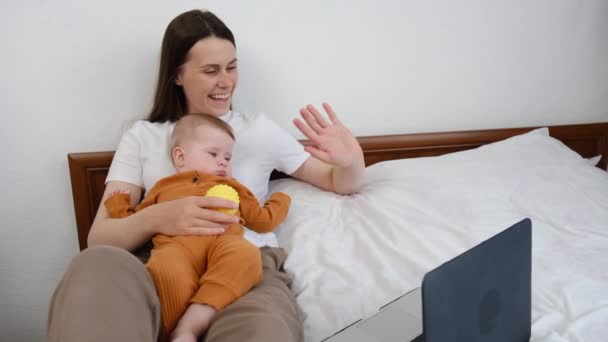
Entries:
{"x":185,"y":128}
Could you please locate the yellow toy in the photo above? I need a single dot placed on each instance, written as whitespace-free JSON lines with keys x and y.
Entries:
{"x":226,"y":192}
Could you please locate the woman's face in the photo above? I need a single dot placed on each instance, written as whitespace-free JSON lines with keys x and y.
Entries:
{"x":209,"y":76}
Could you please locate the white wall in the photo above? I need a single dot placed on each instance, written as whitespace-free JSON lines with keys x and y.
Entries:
{"x":75,"y":74}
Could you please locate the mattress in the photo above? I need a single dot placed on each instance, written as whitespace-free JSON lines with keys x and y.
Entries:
{"x":349,"y":255}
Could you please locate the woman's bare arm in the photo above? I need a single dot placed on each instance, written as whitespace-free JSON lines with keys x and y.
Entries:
{"x":331,"y":178}
{"x":185,"y":216}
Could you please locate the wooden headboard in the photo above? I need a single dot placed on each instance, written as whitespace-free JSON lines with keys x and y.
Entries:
{"x":88,"y":170}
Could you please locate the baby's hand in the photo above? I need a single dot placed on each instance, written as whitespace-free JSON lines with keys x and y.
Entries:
{"x":118,"y":191}
{"x":118,"y":204}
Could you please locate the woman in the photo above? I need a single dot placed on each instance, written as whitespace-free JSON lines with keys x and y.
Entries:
{"x":106,"y":294}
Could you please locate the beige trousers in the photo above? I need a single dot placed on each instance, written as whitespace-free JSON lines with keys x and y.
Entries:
{"x":107,"y":295}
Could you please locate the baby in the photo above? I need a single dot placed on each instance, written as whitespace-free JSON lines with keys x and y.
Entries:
{"x":196,"y":276}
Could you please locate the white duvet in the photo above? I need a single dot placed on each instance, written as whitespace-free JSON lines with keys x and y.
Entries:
{"x":349,"y":255}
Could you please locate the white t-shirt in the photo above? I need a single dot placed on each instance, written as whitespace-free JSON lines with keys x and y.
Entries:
{"x":143,"y":157}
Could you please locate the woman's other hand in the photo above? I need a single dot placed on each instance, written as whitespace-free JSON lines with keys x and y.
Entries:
{"x":194,"y":215}
{"x":330,"y":142}
{"x":337,"y":162}
{"x":184,"y":216}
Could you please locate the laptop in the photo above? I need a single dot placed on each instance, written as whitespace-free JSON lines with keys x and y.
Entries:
{"x":484,"y":294}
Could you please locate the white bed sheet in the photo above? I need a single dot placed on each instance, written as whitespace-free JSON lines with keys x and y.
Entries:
{"x":349,"y":255}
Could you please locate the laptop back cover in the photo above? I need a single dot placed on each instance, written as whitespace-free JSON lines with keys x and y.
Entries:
{"x":483,"y":294}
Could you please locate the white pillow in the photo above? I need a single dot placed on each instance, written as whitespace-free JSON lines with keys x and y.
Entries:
{"x":545,"y":131}
{"x":594,"y":161}
{"x":524,"y":150}
{"x":542,"y":131}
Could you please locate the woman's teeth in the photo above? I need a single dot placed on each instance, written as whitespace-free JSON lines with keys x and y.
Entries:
{"x":219,"y":96}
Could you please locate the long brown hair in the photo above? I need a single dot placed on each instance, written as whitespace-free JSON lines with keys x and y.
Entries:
{"x":181,"y":34}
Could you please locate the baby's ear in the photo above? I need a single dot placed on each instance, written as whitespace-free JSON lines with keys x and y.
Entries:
{"x":178,"y":156}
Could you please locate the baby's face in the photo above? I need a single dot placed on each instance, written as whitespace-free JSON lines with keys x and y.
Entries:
{"x":210,"y":152}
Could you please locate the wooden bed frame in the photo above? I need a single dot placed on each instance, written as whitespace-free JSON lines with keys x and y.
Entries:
{"x":88,"y":170}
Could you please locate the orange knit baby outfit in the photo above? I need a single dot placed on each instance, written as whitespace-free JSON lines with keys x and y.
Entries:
{"x":213,"y":270}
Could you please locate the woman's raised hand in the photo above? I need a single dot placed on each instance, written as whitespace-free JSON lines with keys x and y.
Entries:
{"x":194,"y":215}
{"x":330,"y":142}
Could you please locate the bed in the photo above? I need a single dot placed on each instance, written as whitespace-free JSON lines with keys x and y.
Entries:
{"x":428,"y":197}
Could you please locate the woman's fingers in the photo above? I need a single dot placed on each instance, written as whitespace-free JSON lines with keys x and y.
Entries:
{"x":205,"y":231}
{"x":316,"y":120}
{"x":204,"y":223}
{"x":315,"y":152}
{"x":317,"y":116}
{"x":204,"y":210}
{"x":325,"y":137}
{"x":213,"y":202}
{"x":332,"y":115}
{"x":215,"y":216}
{"x":315,"y":123}
{"x":311,"y":121}
{"x":307,"y":131}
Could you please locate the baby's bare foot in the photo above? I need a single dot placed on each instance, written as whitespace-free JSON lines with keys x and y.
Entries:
{"x":193,"y":323}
